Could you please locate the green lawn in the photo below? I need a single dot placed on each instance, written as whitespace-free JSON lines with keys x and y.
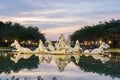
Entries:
{"x":114,"y":49}
{"x":5,"y":49}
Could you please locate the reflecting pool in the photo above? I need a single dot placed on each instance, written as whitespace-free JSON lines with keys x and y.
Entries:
{"x":63,"y":67}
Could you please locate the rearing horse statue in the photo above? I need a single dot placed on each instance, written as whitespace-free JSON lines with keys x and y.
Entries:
{"x":98,"y":50}
{"x":19,"y":48}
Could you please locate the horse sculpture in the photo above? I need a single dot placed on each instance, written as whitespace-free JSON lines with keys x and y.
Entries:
{"x":98,"y":50}
{"x":50,"y":47}
{"x":57,"y":46}
{"x":41,"y":47}
{"x":101,"y":48}
{"x":77,"y":47}
{"x":19,"y":48}
{"x":62,"y":45}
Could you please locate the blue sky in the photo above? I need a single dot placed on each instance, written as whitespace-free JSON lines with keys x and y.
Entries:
{"x":53,"y":17}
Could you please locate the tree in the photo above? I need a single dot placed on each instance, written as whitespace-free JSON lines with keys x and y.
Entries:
{"x":10,"y":31}
{"x":103,"y":30}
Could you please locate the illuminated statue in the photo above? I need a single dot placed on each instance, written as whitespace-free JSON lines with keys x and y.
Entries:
{"x":77,"y":47}
{"x":19,"y":48}
{"x":98,"y":50}
{"x":41,"y":47}
{"x":50,"y":46}
{"x":62,"y":45}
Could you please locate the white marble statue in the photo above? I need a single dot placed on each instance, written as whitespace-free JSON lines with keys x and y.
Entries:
{"x":41,"y":47}
{"x":19,"y":47}
{"x":77,"y":47}
{"x":98,"y":50}
{"x":50,"y":46}
{"x":57,"y":46}
{"x":62,"y":41}
{"x":101,"y":48}
{"x":62,"y":45}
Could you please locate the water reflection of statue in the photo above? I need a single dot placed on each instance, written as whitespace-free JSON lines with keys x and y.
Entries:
{"x":110,"y":68}
{"x":77,"y":57}
{"x":40,"y":57}
{"x":48,"y":58}
{"x":17,"y":56}
{"x":102,"y":58}
{"x":62,"y":61}
{"x":8,"y":66}
{"x":44,"y":58}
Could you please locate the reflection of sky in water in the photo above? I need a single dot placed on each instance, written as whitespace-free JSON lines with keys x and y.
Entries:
{"x":47,"y":71}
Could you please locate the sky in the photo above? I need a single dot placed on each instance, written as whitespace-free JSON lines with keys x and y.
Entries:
{"x":53,"y":17}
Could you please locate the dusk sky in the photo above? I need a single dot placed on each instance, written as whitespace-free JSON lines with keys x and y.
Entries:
{"x":53,"y":17}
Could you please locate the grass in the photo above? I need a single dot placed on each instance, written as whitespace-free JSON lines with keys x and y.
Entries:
{"x":114,"y":49}
{"x":4,"y":47}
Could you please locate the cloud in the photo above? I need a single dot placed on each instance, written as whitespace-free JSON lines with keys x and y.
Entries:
{"x":58,"y":30}
{"x":47,"y":4}
{"x":43,"y":12}
{"x":53,"y":33}
{"x":40,"y":19}
{"x":54,"y":15}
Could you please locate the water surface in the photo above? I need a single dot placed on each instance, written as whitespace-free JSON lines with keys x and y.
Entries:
{"x":64,"y":67}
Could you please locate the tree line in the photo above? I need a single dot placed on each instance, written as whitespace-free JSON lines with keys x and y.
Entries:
{"x":10,"y":31}
{"x":108,"y":30}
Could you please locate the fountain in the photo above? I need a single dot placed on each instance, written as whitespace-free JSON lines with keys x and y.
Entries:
{"x":62,"y":46}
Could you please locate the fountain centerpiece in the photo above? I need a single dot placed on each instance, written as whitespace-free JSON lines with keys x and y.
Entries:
{"x":62,"y":46}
